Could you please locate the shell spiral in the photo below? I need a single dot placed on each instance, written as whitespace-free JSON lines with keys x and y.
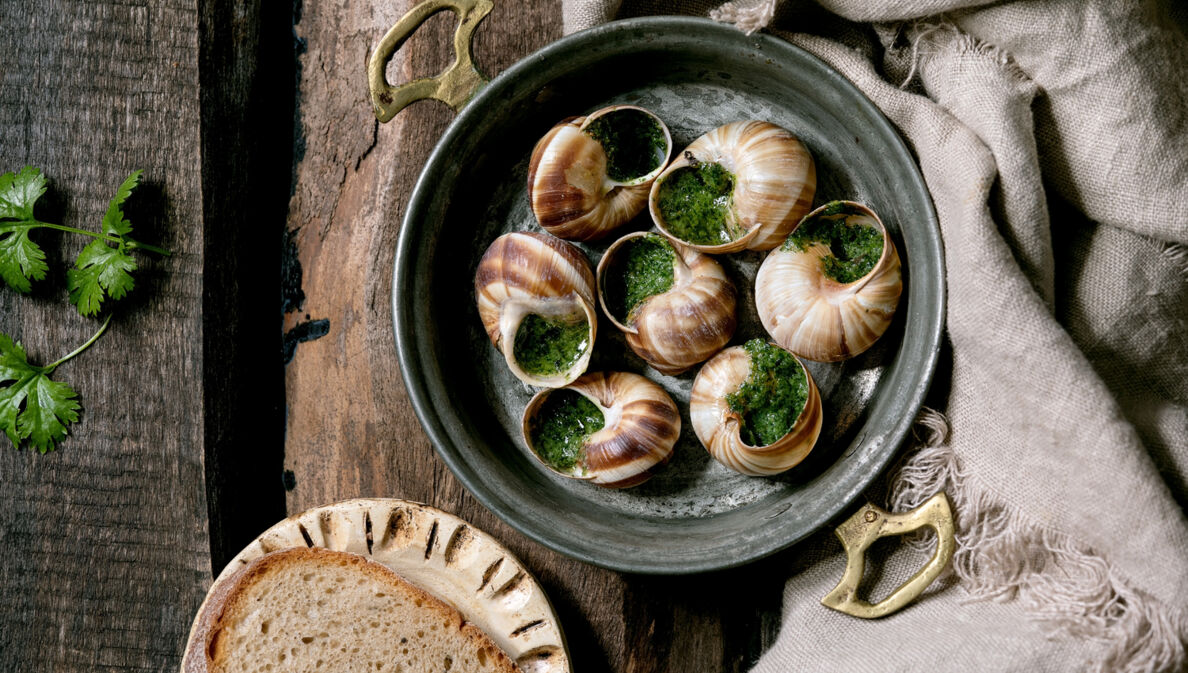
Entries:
{"x":641,"y":429}
{"x":775,"y":179}
{"x":718,"y":427}
{"x":569,"y":189}
{"x":526,"y":273}
{"x":818,"y":318}
{"x":684,"y":325}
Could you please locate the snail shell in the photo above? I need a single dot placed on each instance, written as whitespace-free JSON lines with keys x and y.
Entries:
{"x":640,"y":430}
{"x":718,"y":427}
{"x":687,"y":323}
{"x":816,"y":317}
{"x":569,"y":188}
{"x":523,"y":274}
{"x":774,"y":182}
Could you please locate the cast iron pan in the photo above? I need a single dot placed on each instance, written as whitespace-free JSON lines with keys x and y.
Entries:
{"x":695,"y":515}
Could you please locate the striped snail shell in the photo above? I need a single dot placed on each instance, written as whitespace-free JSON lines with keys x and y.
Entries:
{"x":773,"y":177}
{"x":528,"y":281}
{"x":719,"y":428}
{"x":815,"y":316}
{"x":640,"y":427}
{"x":577,"y":190}
{"x":682,"y":326}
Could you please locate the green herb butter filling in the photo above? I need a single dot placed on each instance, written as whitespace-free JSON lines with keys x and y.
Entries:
{"x":643,"y":268}
{"x":634,"y":143}
{"x":545,"y":347}
{"x":772,"y":397}
{"x":695,"y":202}
{"x":854,"y":249}
{"x":561,"y":425}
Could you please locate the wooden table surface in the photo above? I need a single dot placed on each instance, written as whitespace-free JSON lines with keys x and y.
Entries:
{"x":204,"y":420}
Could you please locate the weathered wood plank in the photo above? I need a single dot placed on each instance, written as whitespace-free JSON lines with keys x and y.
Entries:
{"x":351,"y":430}
{"x":247,"y":98}
{"x":106,"y":555}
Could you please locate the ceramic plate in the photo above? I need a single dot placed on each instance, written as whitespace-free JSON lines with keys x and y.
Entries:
{"x":439,"y":553}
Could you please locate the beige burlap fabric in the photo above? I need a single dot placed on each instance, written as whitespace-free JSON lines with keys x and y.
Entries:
{"x":1053,"y":136}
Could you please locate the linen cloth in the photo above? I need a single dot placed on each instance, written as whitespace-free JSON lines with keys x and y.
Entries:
{"x":1053,"y":136}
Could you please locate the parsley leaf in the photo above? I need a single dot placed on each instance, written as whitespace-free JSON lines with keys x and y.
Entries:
{"x":102,"y":271}
{"x":21,"y":260}
{"x":48,"y":406}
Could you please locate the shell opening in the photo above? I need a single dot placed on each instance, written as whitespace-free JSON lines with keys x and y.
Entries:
{"x":850,"y":241}
{"x":773,"y":396}
{"x":690,"y":320}
{"x":695,"y":203}
{"x":549,"y":346}
{"x":634,"y":270}
{"x":558,"y":426}
{"x":636,"y":143}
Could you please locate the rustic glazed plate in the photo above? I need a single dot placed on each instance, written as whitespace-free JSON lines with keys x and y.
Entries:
{"x":695,"y":515}
{"x":437,"y":552}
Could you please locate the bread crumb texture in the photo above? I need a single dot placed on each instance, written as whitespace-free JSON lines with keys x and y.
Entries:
{"x":329,"y":612}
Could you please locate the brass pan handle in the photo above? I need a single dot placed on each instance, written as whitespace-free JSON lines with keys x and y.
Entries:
{"x":455,"y":86}
{"x":870,"y":523}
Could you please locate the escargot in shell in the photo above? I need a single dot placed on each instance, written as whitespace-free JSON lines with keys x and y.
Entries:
{"x":756,"y":408}
{"x":675,"y":305}
{"x":589,"y":175}
{"x":831,"y":290}
{"x":612,"y":429}
{"x":536,"y":300}
{"x":742,"y":186}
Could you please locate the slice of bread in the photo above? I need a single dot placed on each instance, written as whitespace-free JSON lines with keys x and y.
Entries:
{"x":327,"y":611}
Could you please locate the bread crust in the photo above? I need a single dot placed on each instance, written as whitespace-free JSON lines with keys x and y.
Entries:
{"x":225,"y":597}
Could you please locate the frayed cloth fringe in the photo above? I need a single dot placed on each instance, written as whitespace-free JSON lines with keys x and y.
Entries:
{"x":746,"y":15}
{"x":933,"y":37}
{"x":914,"y":59}
{"x":1002,"y":556}
{"x":1178,"y":254}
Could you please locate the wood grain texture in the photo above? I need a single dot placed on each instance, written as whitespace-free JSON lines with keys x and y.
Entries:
{"x":106,"y":554}
{"x":351,"y":431}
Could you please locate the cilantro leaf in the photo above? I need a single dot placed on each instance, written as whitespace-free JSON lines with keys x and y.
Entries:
{"x":114,"y":223}
{"x":21,"y":260}
{"x":100,"y":269}
{"x":48,"y":406}
{"x":18,"y":193}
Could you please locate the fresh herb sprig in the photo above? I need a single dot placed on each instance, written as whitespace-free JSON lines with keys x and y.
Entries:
{"x":34,"y":407}
{"x":102,"y":270}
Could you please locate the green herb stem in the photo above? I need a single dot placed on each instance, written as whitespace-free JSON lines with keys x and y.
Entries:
{"x":133,"y":244}
{"x":54,"y":365}
{"x":130,"y":243}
